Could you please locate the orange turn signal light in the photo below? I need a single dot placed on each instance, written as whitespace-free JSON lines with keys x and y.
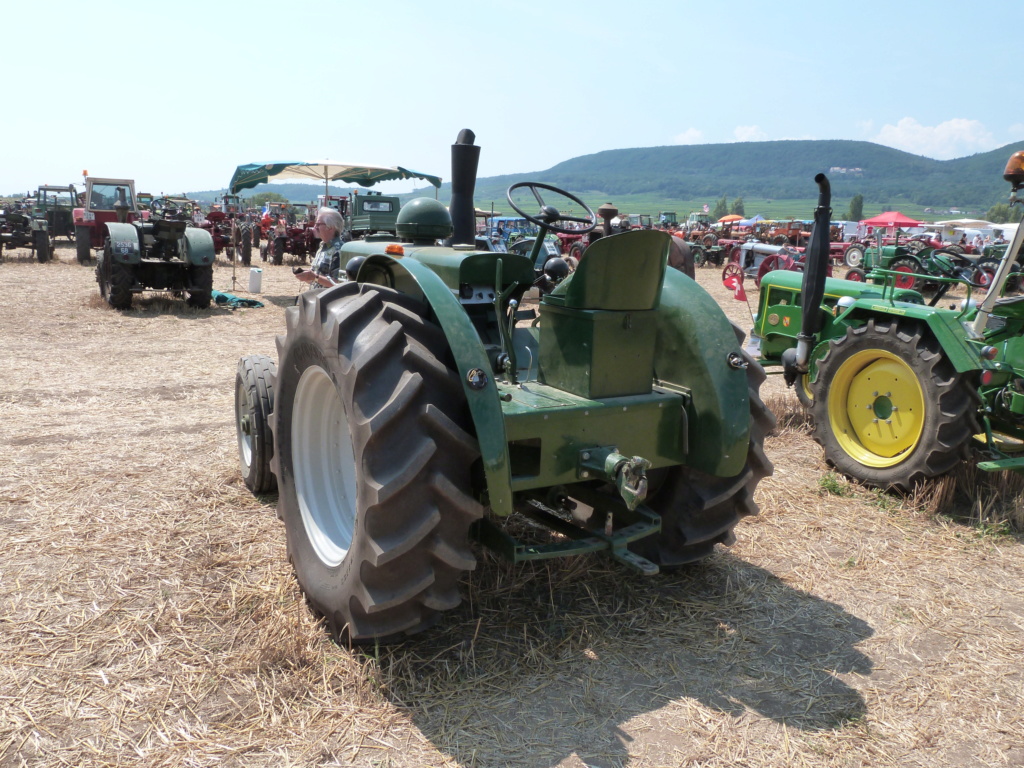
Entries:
{"x":394,"y":249}
{"x":1014,"y":172}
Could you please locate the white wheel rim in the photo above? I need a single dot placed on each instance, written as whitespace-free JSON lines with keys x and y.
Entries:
{"x":324,"y":466}
{"x":244,"y":415}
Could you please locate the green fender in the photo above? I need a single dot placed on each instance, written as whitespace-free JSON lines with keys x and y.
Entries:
{"x":412,"y":277}
{"x":198,"y":249}
{"x":945,"y":325}
{"x":692,"y":352}
{"x":124,"y":243}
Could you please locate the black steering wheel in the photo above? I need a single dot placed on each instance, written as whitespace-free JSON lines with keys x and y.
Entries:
{"x":549,"y":214}
{"x":161,"y":206}
{"x":954,"y":265}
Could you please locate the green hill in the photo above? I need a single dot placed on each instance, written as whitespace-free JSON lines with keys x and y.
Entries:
{"x":779,"y":170}
{"x":664,"y":178}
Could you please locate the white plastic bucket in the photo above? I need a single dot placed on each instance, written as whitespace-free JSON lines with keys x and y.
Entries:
{"x":255,"y":280}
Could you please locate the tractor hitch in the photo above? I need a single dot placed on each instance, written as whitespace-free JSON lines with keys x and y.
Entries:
{"x":627,"y":473}
{"x":613,"y":527}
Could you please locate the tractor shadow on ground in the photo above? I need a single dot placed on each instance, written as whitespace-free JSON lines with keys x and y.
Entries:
{"x":544,"y":661}
{"x":149,"y":305}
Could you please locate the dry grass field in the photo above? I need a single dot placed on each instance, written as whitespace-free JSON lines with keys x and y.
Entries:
{"x":148,"y":616}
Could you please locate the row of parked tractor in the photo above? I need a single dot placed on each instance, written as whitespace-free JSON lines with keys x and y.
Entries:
{"x":141,"y":242}
{"x":37,"y":220}
{"x":754,"y":251}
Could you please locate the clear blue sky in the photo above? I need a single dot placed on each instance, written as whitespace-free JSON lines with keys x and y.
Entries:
{"x":176,"y":95}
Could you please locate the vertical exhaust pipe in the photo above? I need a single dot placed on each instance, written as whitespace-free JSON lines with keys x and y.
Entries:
{"x":465,"y":157}
{"x":795,"y":361}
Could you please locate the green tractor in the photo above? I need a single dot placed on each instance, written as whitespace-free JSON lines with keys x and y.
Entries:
{"x":902,"y":390}
{"x":21,"y":225}
{"x":161,"y":253}
{"x":914,"y":267}
{"x":421,"y":404}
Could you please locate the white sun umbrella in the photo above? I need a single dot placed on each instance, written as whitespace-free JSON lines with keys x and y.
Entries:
{"x":252,"y":174}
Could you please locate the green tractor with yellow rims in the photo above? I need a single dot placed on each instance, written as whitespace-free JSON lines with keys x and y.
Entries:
{"x":421,"y":405}
{"x":902,"y":389}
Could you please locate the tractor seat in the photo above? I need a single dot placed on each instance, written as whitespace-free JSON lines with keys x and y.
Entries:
{"x":599,"y":326}
{"x":168,"y":229}
{"x":623,"y":272}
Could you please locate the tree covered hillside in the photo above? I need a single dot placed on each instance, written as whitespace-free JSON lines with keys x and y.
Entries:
{"x":779,"y":169}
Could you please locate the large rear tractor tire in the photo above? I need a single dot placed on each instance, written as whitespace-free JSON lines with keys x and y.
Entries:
{"x":372,"y":451}
{"x":700,"y":510}
{"x":82,"y":249}
{"x":889,"y":408}
{"x":41,"y":244}
{"x":254,"y":401}
{"x":278,"y":250}
{"x":200,"y":290}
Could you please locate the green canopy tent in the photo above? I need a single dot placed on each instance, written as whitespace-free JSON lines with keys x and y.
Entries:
{"x":252,"y":174}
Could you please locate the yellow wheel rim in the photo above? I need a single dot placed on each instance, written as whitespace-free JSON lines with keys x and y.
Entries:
{"x":804,"y":382}
{"x":876,"y":408}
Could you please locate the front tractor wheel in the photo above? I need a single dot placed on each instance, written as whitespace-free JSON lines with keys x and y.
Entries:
{"x":82,"y":250}
{"x":254,"y":401}
{"x":804,"y":393}
{"x":889,"y":408}
{"x":41,"y":244}
{"x":115,"y":280}
{"x":699,"y":510}
{"x":200,"y":290}
{"x":372,"y":451}
{"x":908,"y":268}
{"x":732,"y":270}
{"x":856,"y":275}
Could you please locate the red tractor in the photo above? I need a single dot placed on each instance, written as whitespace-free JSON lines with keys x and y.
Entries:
{"x":90,"y":220}
{"x":231,"y":228}
{"x":789,"y":233}
{"x":574,"y":244}
{"x":286,"y":227}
